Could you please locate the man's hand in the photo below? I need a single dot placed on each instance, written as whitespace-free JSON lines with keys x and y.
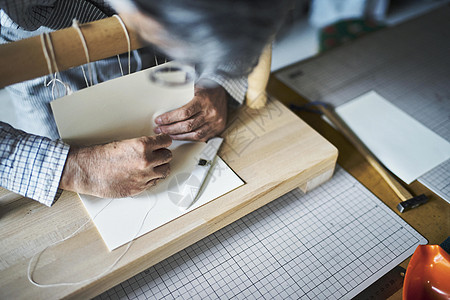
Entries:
{"x":204,"y":117}
{"x":117,"y":169}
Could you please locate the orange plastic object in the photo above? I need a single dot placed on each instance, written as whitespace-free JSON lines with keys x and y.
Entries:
{"x":428,"y":274}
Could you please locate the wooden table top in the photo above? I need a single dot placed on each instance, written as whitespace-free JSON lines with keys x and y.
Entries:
{"x":432,"y":220}
{"x":271,"y":149}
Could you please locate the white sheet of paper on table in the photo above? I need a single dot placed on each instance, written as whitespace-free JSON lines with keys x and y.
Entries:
{"x":405,"y":146}
{"x":124,"y":108}
{"x":120,"y":221}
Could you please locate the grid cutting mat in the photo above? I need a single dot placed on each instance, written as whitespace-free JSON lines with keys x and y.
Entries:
{"x":330,"y":243}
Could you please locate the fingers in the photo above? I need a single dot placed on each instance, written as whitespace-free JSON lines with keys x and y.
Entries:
{"x":201,"y":134}
{"x":150,"y":183}
{"x":156,"y":142}
{"x":181,"y":114}
{"x":159,"y":162}
{"x":202,"y":118}
{"x":160,"y":157}
{"x":182,"y":127}
{"x":162,"y":171}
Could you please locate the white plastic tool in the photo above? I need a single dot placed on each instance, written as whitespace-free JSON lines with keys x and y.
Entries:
{"x":192,"y":187}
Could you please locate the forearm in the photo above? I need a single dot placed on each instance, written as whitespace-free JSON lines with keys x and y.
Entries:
{"x":31,"y":165}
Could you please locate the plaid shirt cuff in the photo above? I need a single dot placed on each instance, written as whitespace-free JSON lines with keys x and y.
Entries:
{"x":235,"y":87}
{"x":31,"y":165}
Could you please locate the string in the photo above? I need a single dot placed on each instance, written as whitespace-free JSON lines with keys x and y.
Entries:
{"x":52,"y":51}
{"x":156,"y":60}
{"x":30,"y":271}
{"x":86,"y":52}
{"x":47,"y":57}
{"x":120,"y":64}
{"x":84,"y":75}
{"x":46,"y":44}
{"x":128,"y":44}
{"x":56,"y":74}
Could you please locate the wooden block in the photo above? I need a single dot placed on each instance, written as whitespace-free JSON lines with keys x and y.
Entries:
{"x":271,"y":149}
{"x":257,"y":80}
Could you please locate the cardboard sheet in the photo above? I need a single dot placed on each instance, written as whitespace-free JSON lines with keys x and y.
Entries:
{"x":118,"y":109}
{"x":405,"y":146}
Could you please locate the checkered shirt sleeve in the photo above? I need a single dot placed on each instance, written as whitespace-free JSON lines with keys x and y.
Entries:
{"x":31,"y":165}
{"x":235,"y":86}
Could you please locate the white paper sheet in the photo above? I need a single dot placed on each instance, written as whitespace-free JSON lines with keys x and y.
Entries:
{"x":125,"y":108}
{"x":120,"y":221}
{"x":402,"y":144}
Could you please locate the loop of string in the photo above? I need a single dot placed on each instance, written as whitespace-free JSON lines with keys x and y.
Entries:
{"x":127,"y":36}
{"x":47,"y":46}
{"x":31,"y":270}
{"x":76,"y":26}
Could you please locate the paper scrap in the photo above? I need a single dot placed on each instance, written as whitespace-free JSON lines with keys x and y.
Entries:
{"x":405,"y":146}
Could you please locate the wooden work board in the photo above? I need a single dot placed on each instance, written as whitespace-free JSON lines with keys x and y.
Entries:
{"x":271,"y":149}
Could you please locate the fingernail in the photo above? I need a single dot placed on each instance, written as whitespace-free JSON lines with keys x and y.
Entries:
{"x":158,"y":120}
{"x":157,"y":130}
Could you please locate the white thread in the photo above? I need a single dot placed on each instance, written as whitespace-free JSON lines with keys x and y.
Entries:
{"x":30,"y":272}
{"x":84,"y":75}
{"x":86,"y":51}
{"x":120,"y":65}
{"x":52,"y":51}
{"x":55,"y":77}
{"x":47,"y":42}
{"x":156,"y":60}
{"x":128,"y":43}
{"x":47,"y":57}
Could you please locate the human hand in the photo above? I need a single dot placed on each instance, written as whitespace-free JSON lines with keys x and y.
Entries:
{"x":204,"y":117}
{"x":117,"y":169}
